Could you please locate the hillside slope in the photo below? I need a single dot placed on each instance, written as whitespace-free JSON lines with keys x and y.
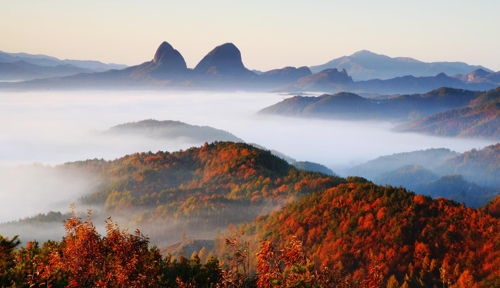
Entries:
{"x":480,"y":119}
{"x":199,"y":189}
{"x":351,"y":106}
{"x":352,"y":226}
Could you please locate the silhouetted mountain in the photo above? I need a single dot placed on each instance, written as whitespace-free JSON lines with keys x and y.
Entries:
{"x":223,"y":69}
{"x":480,"y":76}
{"x":284,"y":75}
{"x":354,"y":107}
{"x":171,"y":130}
{"x":412,"y":84}
{"x":331,"y":80}
{"x":365,"y":65}
{"x":167,"y":68}
{"x":479,"y":121}
{"x":44,"y":60}
{"x":223,"y":60}
{"x":167,"y":63}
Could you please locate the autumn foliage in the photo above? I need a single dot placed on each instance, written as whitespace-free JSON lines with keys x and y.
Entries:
{"x":208,"y":187}
{"x":417,"y":240}
{"x":331,"y":232}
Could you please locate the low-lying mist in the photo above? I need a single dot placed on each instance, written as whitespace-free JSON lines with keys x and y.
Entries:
{"x":52,"y":128}
{"x":27,"y":190}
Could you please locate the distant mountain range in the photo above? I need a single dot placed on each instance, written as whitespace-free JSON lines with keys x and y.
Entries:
{"x":22,"y":70}
{"x":49,"y":61}
{"x":333,"y":80}
{"x":223,"y":69}
{"x":365,"y":65}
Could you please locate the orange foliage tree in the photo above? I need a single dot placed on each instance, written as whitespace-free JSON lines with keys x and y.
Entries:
{"x":120,"y":259}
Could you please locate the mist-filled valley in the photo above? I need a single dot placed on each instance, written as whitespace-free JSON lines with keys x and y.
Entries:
{"x":41,"y":131}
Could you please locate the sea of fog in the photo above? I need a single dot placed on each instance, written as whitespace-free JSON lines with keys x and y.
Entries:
{"x":50,"y":128}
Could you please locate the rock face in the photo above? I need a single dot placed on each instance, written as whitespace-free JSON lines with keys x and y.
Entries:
{"x":167,"y":62}
{"x":169,"y":58}
{"x":223,"y":60}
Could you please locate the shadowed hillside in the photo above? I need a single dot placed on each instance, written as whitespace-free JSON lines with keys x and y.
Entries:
{"x":480,"y":119}
{"x":350,"y":106}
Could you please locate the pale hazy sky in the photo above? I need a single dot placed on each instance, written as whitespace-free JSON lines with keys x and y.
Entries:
{"x":270,"y":34}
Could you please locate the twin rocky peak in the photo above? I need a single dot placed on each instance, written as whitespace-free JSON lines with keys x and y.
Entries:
{"x":223,"y":61}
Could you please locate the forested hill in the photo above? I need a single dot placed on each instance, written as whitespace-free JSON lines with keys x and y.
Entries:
{"x":169,"y":129}
{"x":354,"y":227}
{"x":198,"y":189}
{"x":351,"y":106}
{"x":480,"y":119}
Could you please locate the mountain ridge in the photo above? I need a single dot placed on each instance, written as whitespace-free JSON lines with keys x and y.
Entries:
{"x":222,"y":68}
{"x":479,"y":119}
{"x":351,"y":106}
{"x":363,"y":65}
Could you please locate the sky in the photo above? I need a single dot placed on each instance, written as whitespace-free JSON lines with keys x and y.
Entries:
{"x":269,"y":34}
